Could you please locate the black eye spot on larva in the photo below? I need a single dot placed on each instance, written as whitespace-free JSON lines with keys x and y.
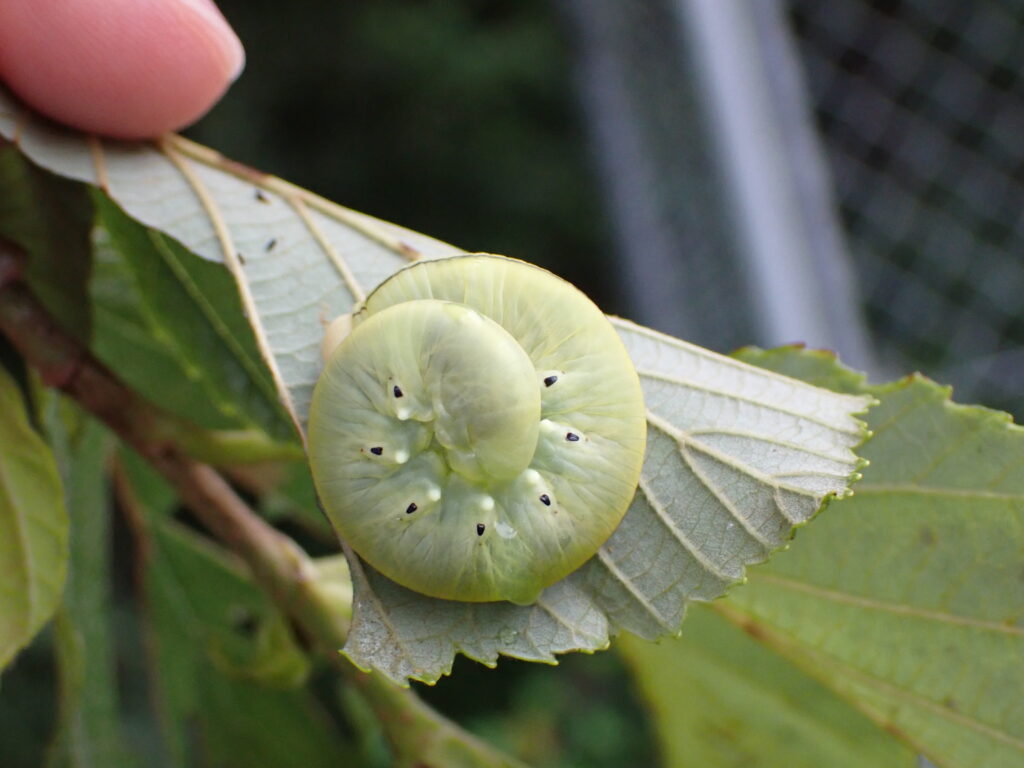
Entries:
{"x":572,"y":437}
{"x":376,"y":450}
{"x":398,"y":391}
{"x":545,"y":500}
{"x":480,"y":527}
{"x":411,"y":508}
{"x":259,"y":195}
{"x":271,"y":244}
{"x":550,"y":380}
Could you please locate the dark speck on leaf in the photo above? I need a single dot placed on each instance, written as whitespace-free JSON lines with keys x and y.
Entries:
{"x":376,"y":450}
{"x":550,"y":380}
{"x":398,"y":391}
{"x":480,"y":529}
{"x":271,"y":244}
{"x":241,"y":259}
{"x":259,"y":194}
{"x":572,"y":437}
{"x":246,"y":623}
{"x":545,"y":500}
{"x":411,"y":508}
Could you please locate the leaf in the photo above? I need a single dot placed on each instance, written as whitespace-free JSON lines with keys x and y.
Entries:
{"x":222,"y":657}
{"x":908,"y":599}
{"x":33,"y":526}
{"x":736,"y":456}
{"x":298,"y":259}
{"x":192,"y":307}
{"x":294,"y":500}
{"x":142,"y":356}
{"x":734,"y":460}
{"x":89,"y":729}
{"x":50,"y":218}
{"x":719,"y":698}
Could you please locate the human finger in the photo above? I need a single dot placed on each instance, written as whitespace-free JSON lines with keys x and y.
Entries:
{"x":123,"y":68}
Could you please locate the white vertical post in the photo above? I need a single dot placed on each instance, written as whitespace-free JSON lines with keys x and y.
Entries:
{"x":774,"y":175}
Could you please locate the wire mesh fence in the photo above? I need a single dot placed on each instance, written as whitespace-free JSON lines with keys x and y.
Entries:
{"x":920,"y":104}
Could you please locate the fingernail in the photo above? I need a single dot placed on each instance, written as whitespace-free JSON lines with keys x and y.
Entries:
{"x":230,"y":45}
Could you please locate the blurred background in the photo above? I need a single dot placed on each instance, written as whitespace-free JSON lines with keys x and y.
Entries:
{"x":847,"y":174}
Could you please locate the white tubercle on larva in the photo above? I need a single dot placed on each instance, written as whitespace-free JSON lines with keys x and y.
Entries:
{"x":505,"y":530}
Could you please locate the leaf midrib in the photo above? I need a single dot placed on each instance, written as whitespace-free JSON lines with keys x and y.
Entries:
{"x":902,"y":609}
{"x":935,"y":490}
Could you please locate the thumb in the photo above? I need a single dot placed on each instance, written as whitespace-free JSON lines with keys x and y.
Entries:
{"x":123,"y":68}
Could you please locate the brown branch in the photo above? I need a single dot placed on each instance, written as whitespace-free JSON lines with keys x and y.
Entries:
{"x":278,"y":564}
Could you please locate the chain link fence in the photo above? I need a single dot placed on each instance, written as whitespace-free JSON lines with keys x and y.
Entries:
{"x":920,"y":105}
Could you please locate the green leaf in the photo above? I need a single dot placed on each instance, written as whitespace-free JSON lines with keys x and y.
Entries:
{"x":721,"y":699}
{"x":298,"y":259}
{"x":223,"y":658}
{"x":50,"y":218}
{"x":192,"y":308}
{"x":141,"y":355}
{"x":89,"y":729}
{"x":736,"y":457}
{"x":908,"y":599}
{"x":294,"y":499}
{"x":33,"y":526}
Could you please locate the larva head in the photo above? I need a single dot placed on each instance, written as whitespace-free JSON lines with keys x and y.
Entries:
{"x":479,"y":433}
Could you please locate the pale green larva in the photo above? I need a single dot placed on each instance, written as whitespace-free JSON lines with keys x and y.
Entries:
{"x":479,"y":432}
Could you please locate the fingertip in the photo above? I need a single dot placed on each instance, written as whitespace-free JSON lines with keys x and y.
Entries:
{"x":222,"y":36}
{"x":122,"y":68}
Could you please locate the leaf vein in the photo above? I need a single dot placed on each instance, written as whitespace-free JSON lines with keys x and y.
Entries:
{"x":634,"y":591}
{"x":677,"y":533}
{"x":887,"y":607}
{"x":235,"y":267}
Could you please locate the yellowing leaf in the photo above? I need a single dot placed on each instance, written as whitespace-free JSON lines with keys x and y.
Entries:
{"x":33,"y":526}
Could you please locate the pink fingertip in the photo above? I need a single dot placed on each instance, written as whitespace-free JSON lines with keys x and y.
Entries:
{"x":122,"y":68}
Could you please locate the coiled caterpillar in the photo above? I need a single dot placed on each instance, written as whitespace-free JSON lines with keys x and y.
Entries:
{"x":479,"y":433}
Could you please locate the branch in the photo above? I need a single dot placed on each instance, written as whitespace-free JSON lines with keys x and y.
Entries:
{"x":417,"y":733}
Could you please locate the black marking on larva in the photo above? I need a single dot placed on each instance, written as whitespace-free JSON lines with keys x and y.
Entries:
{"x":480,"y":527}
{"x":572,"y":437}
{"x":241,"y":259}
{"x":545,"y":500}
{"x":377,"y":450}
{"x":550,"y":380}
{"x":271,"y":244}
{"x":259,"y":195}
{"x":411,"y":508}
{"x":398,"y":391}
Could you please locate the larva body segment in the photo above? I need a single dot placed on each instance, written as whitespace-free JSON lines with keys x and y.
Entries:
{"x":509,"y":422}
